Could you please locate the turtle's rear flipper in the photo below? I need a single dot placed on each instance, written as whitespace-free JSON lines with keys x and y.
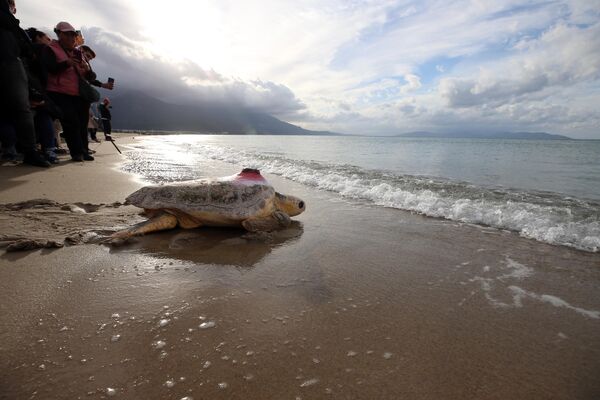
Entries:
{"x":277,"y":220}
{"x":159,"y":222}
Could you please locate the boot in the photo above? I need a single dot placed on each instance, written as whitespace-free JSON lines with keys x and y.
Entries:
{"x":36,"y":159}
{"x":51,"y":156}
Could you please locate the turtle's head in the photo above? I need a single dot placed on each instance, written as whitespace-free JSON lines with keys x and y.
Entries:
{"x":289,"y":204}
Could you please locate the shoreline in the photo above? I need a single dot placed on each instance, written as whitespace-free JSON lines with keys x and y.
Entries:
{"x":99,"y":181}
{"x":353,"y":301}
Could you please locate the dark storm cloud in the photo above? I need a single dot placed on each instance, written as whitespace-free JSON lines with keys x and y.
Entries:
{"x":134,"y":68}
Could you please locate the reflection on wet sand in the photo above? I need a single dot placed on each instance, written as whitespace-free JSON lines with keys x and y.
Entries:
{"x":215,"y":246}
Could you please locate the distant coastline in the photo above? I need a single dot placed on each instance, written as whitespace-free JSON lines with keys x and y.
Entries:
{"x":136,"y":112}
{"x":486,"y":135}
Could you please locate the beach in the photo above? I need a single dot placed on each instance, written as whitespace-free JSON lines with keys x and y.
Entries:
{"x":353,"y":301}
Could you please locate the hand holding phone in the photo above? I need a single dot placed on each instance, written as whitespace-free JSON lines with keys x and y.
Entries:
{"x":78,"y":55}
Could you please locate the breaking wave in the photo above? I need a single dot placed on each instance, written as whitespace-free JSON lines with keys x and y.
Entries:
{"x":543,"y":216}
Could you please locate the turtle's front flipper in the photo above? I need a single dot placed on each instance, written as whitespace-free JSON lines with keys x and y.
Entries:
{"x":159,"y":222}
{"x":271,"y":222}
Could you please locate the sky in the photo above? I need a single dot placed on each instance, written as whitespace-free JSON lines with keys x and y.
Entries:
{"x":351,"y":66}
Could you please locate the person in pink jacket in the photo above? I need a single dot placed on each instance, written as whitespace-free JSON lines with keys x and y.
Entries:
{"x":65,"y":66}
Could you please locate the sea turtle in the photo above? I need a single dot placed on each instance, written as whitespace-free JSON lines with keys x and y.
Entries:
{"x":245,"y":200}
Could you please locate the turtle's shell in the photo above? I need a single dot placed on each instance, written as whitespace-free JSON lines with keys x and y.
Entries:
{"x":225,"y":201}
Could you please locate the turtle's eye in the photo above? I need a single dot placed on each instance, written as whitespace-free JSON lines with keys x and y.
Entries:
{"x":301,"y":205}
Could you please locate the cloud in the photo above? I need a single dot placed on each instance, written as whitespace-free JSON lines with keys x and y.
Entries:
{"x":500,"y":53}
{"x":115,"y":15}
{"x":413,"y":82}
{"x":182,"y":82}
{"x":449,"y":29}
{"x":539,"y":71}
{"x":562,"y":56}
{"x":362,"y":66}
{"x":488,"y":90}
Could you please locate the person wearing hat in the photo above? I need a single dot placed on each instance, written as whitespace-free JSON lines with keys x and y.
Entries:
{"x":65,"y":66}
{"x":14,"y":87}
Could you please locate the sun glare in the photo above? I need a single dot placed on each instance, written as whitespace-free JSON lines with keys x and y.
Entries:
{"x":184,"y":30}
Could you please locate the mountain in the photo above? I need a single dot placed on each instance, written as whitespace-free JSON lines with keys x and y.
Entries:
{"x":487,"y":135}
{"x":138,"y":111}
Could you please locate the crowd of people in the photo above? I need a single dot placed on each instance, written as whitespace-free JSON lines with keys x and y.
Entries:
{"x":47,"y":91}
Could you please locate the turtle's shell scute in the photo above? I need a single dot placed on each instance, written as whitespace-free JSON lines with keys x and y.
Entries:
{"x":223,"y":198}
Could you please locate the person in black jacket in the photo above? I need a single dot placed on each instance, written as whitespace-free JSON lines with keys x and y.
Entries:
{"x":45,"y":112}
{"x":14,"y":87}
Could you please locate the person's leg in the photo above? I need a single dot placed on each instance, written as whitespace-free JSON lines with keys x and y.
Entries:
{"x":83,"y":111}
{"x":45,"y":131}
{"x":8,"y":138}
{"x":57,"y":139}
{"x":106,"y":126}
{"x":14,"y":98}
{"x":92,"y":132}
{"x":69,"y":120}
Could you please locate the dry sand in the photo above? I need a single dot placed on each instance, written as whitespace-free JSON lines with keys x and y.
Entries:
{"x":351,"y":302}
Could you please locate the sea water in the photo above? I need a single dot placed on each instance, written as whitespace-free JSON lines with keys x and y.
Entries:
{"x":546,"y":190}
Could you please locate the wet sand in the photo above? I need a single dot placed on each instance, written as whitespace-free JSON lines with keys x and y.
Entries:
{"x":351,"y":302}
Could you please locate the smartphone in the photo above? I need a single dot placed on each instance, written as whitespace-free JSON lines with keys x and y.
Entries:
{"x":111,"y":80}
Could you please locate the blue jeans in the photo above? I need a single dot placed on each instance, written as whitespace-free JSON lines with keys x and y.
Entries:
{"x":44,"y":128}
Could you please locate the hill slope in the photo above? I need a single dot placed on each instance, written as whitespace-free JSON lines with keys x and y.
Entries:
{"x":138,"y":111}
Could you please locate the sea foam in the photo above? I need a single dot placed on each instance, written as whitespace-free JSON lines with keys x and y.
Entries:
{"x":519,"y":294}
